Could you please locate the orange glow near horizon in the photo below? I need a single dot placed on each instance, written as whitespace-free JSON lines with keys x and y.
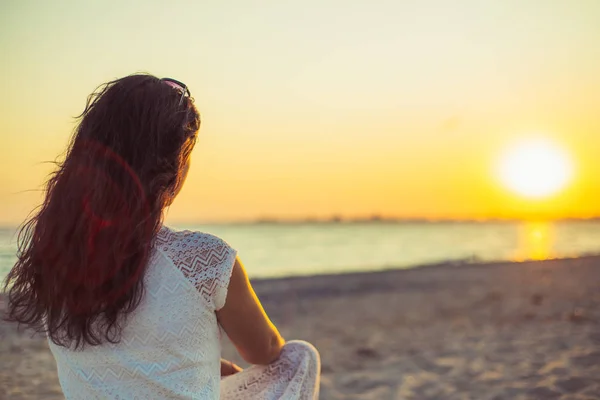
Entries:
{"x":324,"y":108}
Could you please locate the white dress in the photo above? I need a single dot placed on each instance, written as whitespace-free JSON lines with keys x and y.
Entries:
{"x":170,"y":346}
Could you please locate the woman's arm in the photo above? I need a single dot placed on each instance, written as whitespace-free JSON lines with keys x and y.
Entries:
{"x":246,"y":323}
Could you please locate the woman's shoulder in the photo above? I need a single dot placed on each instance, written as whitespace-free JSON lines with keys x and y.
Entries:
{"x":206,"y":260}
{"x":187,"y":237}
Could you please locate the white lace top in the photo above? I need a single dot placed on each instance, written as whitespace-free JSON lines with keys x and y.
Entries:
{"x":170,"y":346}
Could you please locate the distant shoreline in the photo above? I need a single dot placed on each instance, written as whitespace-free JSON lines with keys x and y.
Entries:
{"x":457,"y":265}
{"x":379,"y":219}
{"x":382,"y":221}
{"x":366,"y":220}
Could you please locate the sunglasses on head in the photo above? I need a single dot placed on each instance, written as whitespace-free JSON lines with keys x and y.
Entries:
{"x":179,"y":86}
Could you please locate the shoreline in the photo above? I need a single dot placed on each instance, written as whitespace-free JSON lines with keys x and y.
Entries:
{"x":498,"y":330}
{"x":458,"y":263}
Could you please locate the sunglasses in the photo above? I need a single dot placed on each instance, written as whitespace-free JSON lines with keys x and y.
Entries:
{"x":180,"y":86}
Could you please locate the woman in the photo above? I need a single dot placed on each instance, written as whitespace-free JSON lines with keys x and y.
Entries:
{"x":133,"y":309}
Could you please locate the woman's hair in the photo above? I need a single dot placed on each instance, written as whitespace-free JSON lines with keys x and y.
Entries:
{"x":82,"y":256}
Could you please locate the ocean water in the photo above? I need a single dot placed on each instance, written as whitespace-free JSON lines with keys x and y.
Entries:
{"x":277,"y":249}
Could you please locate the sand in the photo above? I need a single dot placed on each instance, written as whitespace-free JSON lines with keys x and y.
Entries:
{"x":497,"y":331}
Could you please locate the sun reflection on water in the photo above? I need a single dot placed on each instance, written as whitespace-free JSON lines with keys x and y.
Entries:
{"x":535,"y":240}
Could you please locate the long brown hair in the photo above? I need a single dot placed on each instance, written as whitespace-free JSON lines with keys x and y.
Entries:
{"x":82,"y":256}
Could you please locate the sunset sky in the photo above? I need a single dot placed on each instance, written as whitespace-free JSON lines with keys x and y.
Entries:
{"x":325,"y":107}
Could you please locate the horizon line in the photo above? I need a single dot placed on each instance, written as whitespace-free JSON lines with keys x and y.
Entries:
{"x":372,"y":219}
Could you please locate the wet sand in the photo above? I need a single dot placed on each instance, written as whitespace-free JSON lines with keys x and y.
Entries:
{"x":497,"y":331}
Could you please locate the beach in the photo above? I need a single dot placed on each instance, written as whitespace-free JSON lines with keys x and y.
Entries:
{"x":526,"y":330}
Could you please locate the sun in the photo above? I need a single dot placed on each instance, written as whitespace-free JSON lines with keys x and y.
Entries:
{"x":535,"y":168}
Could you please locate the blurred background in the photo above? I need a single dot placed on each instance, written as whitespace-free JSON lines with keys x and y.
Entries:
{"x":354,"y":136}
{"x":336,"y":135}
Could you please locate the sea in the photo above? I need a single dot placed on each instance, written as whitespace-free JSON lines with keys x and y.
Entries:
{"x":289,"y":249}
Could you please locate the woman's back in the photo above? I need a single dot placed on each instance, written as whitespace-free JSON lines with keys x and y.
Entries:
{"x":170,"y":344}
{"x":131,"y":308}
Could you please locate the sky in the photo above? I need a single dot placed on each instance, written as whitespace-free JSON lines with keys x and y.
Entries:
{"x":320,"y":108}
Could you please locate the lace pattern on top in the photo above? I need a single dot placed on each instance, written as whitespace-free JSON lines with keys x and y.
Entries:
{"x":205,"y":260}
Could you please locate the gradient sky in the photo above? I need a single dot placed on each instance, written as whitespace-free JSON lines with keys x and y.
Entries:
{"x":322,"y":107}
